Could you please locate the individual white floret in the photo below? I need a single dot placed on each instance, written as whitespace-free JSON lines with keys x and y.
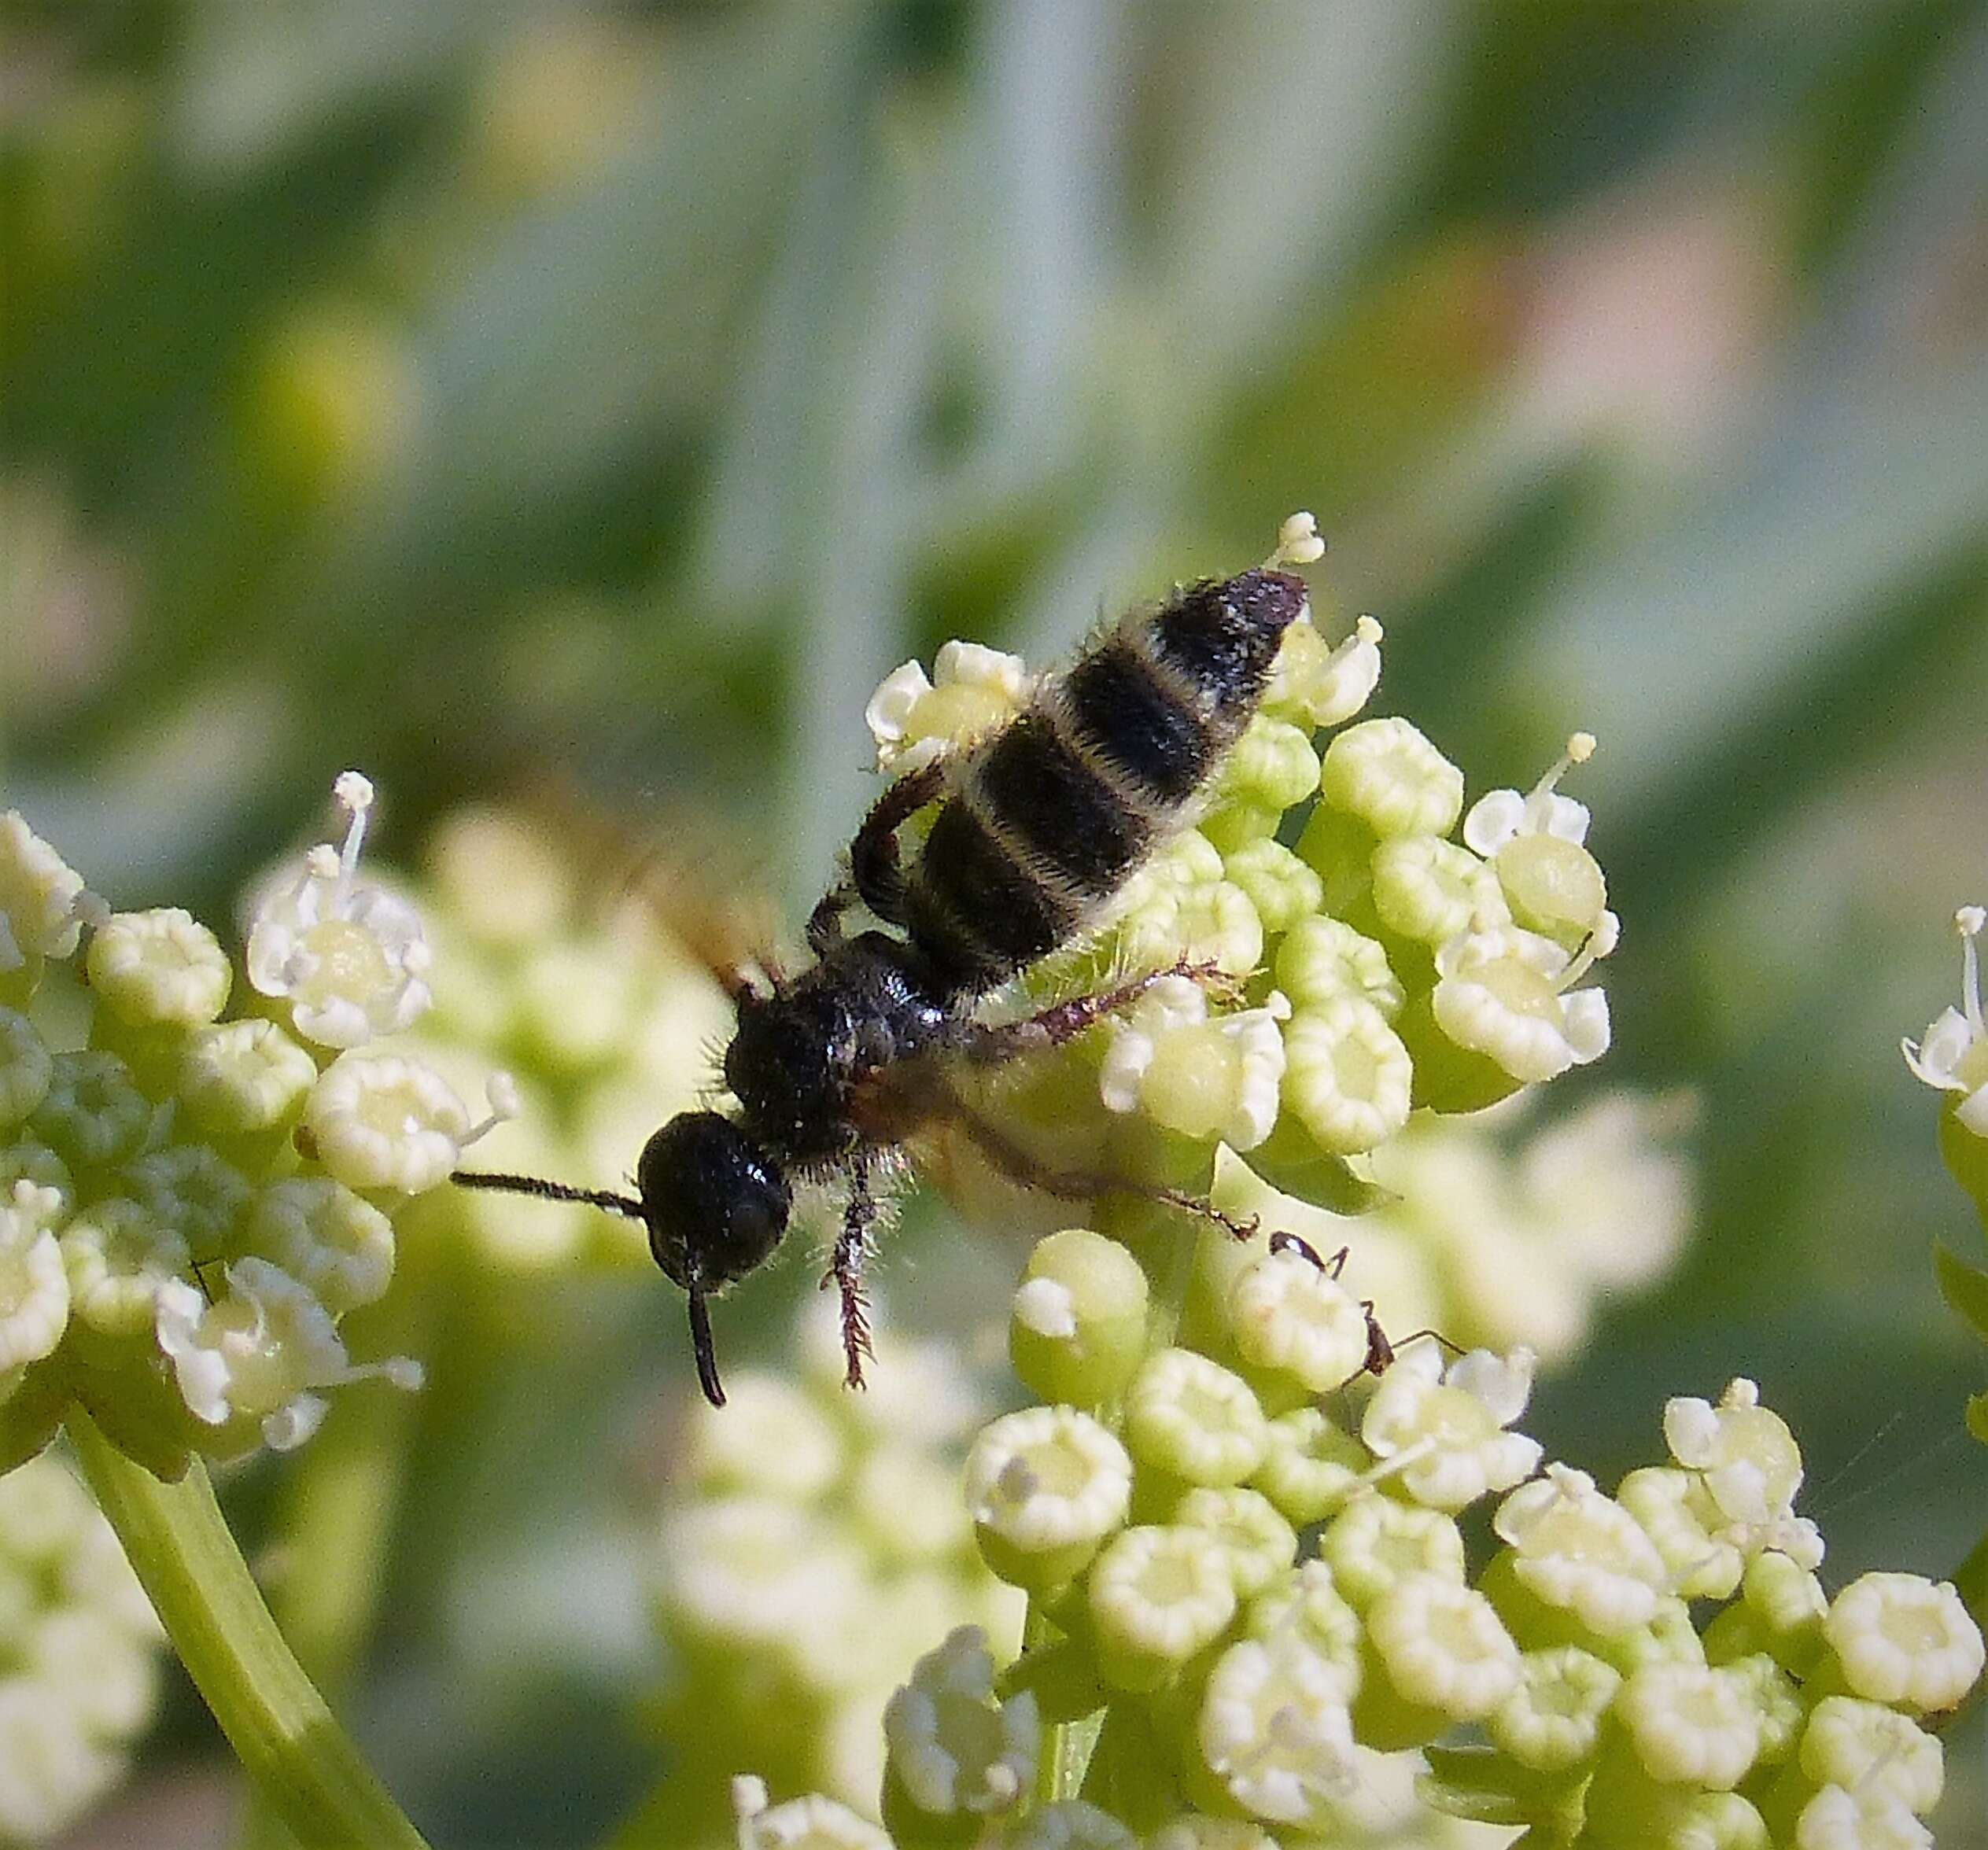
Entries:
{"x":1284,"y":891}
{"x":1308,"y":1606}
{"x":382,"y":1121}
{"x":261,"y":1352}
{"x":1870,"y":1749}
{"x":1387,"y":774}
{"x":34,"y":1282}
{"x":1440,"y":1432}
{"x":325,"y":1236}
{"x":1261,"y":1544}
{"x":1047,"y":1480}
{"x":162,"y":967}
{"x":119,"y":1256}
{"x":349,"y":959}
{"x":1158,"y":1594}
{"x":1320,"y":958}
{"x":1310,"y":1466}
{"x":1579,"y":1550}
{"x":1553,"y":1720}
{"x":1952,"y":1054}
{"x":43,"y":905}
{"x":1502,"y":815}
{"x":1192,"y":1417}
{"x":1274,"y":1729}
{"x":1838,"y":1818}
{"x":1690,"y":1724}
{"x":973,"y":691}
{"x":27,"y":1067}
{"x":1347,"y":1075}
{"x":1751,"y":1467}
{"x":1534,"y":842}
{"x":244,"y":1076}
{"x":1294,"y":1317}
{"x":1672,"y":1509}
{"x":1906,"y":1640}
{"x":1428,"y":888}
{"x":192,"y":1190}
{"x":1444,"y":1646}
{"x":814,"y":1823}
{"x":1320,"y":683}
{"x":93,"y":1114}
{"x":1206,"y":1078}
{"x":954,"y":1747}
{"x":1180,"y":907}
{"x":1509,"y":994}
{"x":1376,"y":1542}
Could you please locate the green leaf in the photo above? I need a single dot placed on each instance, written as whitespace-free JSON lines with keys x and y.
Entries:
{"x":1977,"y":1416}
{"x":1965,"y":1288}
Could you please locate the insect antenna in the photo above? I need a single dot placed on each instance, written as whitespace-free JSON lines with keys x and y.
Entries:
{"x":519,"y":1184}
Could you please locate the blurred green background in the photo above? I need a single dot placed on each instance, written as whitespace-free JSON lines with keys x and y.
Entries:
{"x":483,"y":392}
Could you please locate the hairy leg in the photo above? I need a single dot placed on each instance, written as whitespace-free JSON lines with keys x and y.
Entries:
{"x":989,"y":1044}
{"x":846,"y":1274}
{"x":1068,"y":1185}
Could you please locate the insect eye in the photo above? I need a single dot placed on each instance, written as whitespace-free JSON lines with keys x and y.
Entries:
{"x":715,"y":1204}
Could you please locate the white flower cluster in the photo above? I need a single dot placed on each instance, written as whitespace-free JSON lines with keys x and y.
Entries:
{"x":814,"y":1547}
{"x":189,"y":1206}
{"x":1410,"y":968}
{"x":1272,"y":1599}
{"x":78,"y":1654}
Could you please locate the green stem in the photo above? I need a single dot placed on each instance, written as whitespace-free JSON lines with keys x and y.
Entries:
{"x":288,"y":1741}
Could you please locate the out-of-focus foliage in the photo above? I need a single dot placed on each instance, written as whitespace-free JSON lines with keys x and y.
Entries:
{"x":483,"y":392}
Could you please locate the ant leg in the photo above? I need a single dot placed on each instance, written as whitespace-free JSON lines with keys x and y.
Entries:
{"x":1282,"y":1241}
{"x":1018,"y":1165}
{"x":1064,"y":1021}
{"x":1380,"y":1350}
{"x":846,"y":1274}
{"x":875,"y":876}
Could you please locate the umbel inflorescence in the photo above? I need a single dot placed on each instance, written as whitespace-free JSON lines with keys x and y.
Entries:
{"x":196,"y":1195}
{"x":1254,"y":1616}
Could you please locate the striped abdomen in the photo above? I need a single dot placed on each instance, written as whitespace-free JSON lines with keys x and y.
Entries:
{"x":1048,"y":819}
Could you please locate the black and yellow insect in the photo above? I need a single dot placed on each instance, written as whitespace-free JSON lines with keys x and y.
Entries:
{"x":1037,"y":827}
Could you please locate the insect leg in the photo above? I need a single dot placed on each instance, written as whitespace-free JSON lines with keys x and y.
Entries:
{"x":1064,"y":1021}
{"x":875,"y":876}
{"x":1381,"y":1350}
{"x":1068,"y":1185}
{"x":846,"y":1273}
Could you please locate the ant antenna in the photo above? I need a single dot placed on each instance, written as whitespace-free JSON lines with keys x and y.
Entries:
{"x":703,"y":1348}
{"x":518,"y":1184}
